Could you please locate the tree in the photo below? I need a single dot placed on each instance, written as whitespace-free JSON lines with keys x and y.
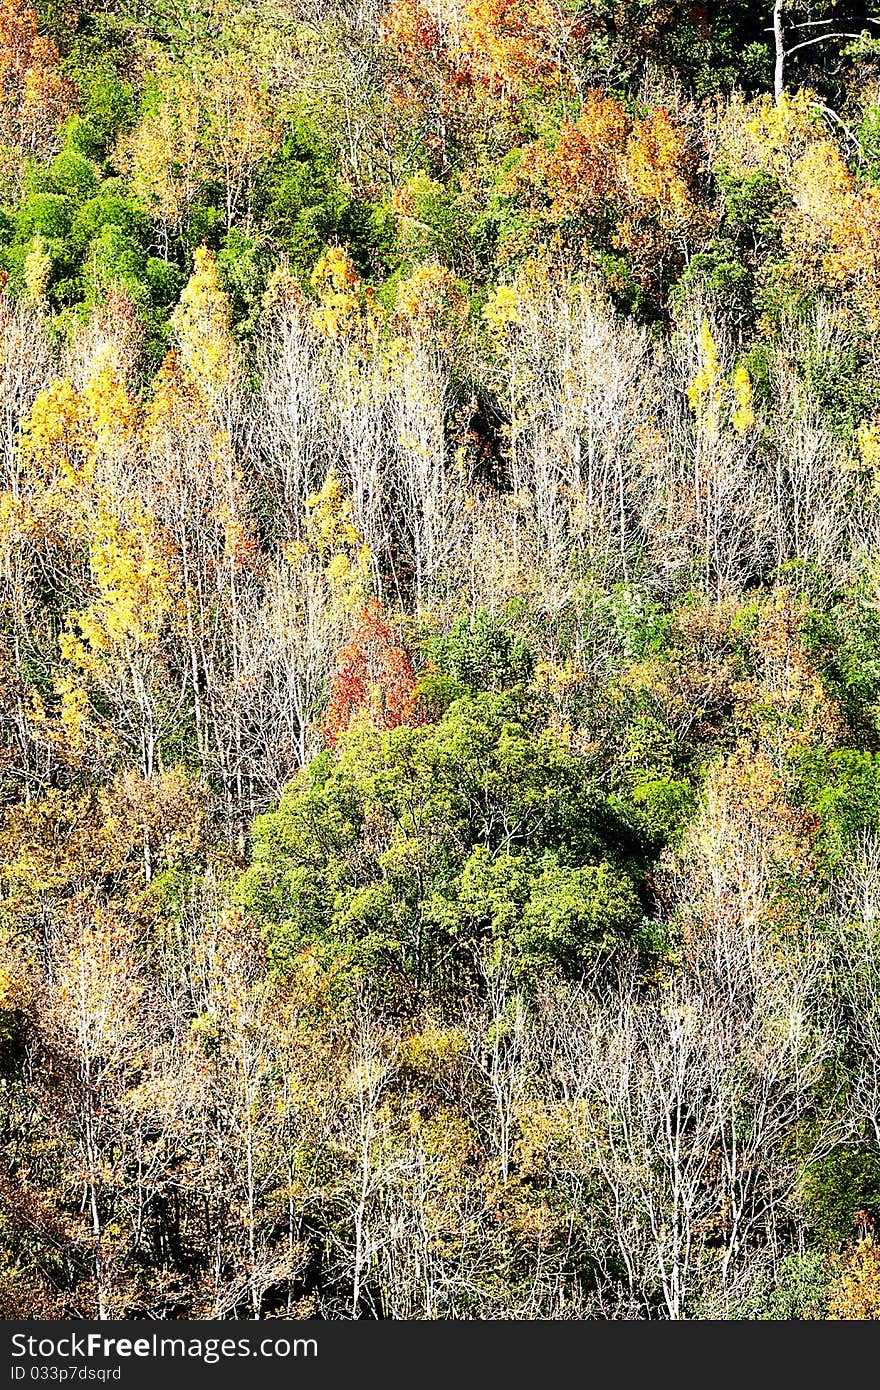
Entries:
{"x":91,"y":1017}
{"x":241,"y":134}
{"x":684,"y":1104}
{"x":855,"y":1288}
{"x":35,"y":95}
{"x":202,"y":324}
{"x":831,"y":32}
{"x":309,"y":598}
{"x":116,"y":641}
{"x":611,"y":181}
{"x":413,"y":845}
{"x":164,"y":155}
{"x":374,"y":679}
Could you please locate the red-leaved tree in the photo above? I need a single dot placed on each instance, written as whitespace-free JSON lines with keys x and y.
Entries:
{"x":374,"y":679}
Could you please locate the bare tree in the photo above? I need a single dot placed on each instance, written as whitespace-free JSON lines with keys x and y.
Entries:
{"x":682,"y":1103}
{"x":832,"y":29}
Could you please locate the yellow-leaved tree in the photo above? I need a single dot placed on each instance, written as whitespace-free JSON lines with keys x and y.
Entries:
{"x":118,"y":643}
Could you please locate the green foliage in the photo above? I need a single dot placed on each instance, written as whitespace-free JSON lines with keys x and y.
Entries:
{"x":107,"y":108}
{"x":752,"y":208}
{"x":719,"y":274}
{"x":842,"y":787}
{"x":303,"y":206}
{"x":418,"y":844}
{"x":243,"y":269}
{"x":841,"y":382}
{"x":111,"y":208}
{"x":836,"y":1189}
{"x":843,"y":638}
{"x":642,"y":625}
{"x":436,"y":224}
{"x":484,"y":651}
{"x":539,"y":914}
{"x":47,"y":214}
{"x":664,"y":805}
{"x":869,"y":145}
{"x":799,"y":1292}
{"x":72,"y":175}
{"x":627,"y":293}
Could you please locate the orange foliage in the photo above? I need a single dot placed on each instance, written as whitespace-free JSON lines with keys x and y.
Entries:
{"x":582,"y":171}
{"x":374,"y":679}
{"x":656,"y":167}
{"x":511,"y":43}
{"x":34,"y":97}
{"x":634,"y":177}
{"x":409,"y":30}
{"x":502,"y":47}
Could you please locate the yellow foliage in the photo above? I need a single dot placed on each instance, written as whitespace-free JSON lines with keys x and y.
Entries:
{"x":67,"y":432}
{"x":653,"y":165}
{"x":779,"y":127}
{"x":549,"y":676}
{"x":215,"y":127}
{"x":743,"y":415}
{"x":868,"y":439}
{"x":93,"y":1007}
{"x":282,"y":292}
{"x":134,"y":583}
{"x":749,"y":855}
{"x":332,"y":536}
{"x":164,"y":154}
{"x":50,"y":846}
{"x":764,"y":134}
{"x":432,"y":1051}
{"x":855,"y":1290}
{"x":108,"y":416}
{"x":51,"y":431}
{"x":168,"y":809}
{"x":16,"y":525}
{"x":202,"y":322}
{"x":707,"y":388}
{"x":430,"y":303}
{"x":334,"y":271}
{"x":73,"y":716}
{"x":449,"y":1139}
{"x":501,"y":310}
{"x":711,"y":395}
{"x":346,"y":309}
{"x":168,"y":413}
{"x":786,"y":702}
{"x":822,"y":185}
{"x":37,"y":270}
{"x":835,"y":229}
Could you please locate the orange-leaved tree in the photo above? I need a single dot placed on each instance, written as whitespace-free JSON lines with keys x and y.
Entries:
{"x":374,"y":681}
{"x":34,"y":95}
{"x":608,"y":177}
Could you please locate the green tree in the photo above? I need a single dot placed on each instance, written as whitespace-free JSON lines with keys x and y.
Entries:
{"x":417,"y":846}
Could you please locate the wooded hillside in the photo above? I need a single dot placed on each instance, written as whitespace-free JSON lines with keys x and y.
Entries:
{"x":439,"y":659}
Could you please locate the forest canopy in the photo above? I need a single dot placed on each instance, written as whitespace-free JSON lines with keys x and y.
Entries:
{"x":439,"y":659}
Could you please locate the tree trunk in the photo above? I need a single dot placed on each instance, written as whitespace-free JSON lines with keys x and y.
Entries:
{"x":779,"y":43}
